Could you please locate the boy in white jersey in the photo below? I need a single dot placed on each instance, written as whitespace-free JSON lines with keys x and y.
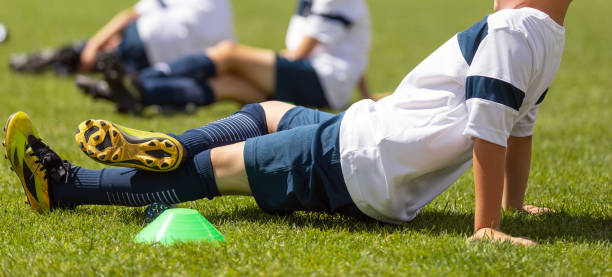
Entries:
{"x":327,"y":53}
{"x":476,"y":97}
{"x":151,"y":31}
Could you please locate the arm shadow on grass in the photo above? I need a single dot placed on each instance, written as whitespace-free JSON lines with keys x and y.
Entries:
{"x":545,"y":228}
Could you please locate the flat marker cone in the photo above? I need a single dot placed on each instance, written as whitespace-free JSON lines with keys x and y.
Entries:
{"x":179,"y":225}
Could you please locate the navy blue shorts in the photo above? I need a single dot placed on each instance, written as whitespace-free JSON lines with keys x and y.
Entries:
{"x":298,"y":167}
{"x":297,"y":82}
{"x":132,"y":50}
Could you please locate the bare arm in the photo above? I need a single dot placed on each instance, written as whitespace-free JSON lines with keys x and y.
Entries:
{"x":488,"y":183}
{"x":303,"y":50}
{"x":364,"y":91}
{"x":489,"y":169}
{"x":518,"y":164}
{"x":104,"y":35}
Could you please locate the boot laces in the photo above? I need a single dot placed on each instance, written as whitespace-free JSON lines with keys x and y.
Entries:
{"x":55,"y":168}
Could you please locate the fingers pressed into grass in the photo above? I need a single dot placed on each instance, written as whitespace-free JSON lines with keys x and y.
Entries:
{"x":534,"y":210}
{"x":499,"y":236}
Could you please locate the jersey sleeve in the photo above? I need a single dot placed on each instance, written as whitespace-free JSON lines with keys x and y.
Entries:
{"x":497,"y":80}
{"x":329,"y":20}
{"x":524,"y":127}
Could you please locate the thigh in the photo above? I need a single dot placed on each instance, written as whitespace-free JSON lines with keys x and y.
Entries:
{"x":256,"y":65}
{"x":301,"y":116}
{"x":230,"y":87}
{"x":297,"y":169}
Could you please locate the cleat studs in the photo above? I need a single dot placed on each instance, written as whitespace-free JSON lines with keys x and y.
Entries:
{"x":115,"y":157}
{"x":96,"y":138}
{"x":6,"y":156}
{"x":101,"y":157}
{"x":89,"y":152}
{"x":149,"y":161}
{"x":82,"y":145}
{"x":168,"y":144}
{"x":114,"y":133}
{"x":164,"y":165}
{"x":88,"y":122}
{"x":3,"y":142}
{"x":102,"y":123}
{"x":12,"y":168}
{"x":78,"y":130}
{"x":152,"y":144}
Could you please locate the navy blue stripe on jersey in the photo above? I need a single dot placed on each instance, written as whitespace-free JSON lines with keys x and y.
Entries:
{"x":541,"y":99}
{"x":494,"y":90}
{"x":304,"y":8}
{"x":470,"y":39}
{"x":162,"y":3}
{"x":338,"y":18}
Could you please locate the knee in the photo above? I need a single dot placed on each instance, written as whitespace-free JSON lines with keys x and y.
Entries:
{"x":273,"y":106}
{"x":222,"y":51}
{"x":227,"y":160}
{"x":274,"y":112}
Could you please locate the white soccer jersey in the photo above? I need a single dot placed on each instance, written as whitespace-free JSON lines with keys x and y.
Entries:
{"x":343,"y":28}
{"x":398,"y":154}
{"x":170,"y":29}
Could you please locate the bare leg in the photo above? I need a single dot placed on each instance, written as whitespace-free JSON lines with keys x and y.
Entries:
{"x":228,"y":167}
{"x":231,"y":87}
{"x":228,"y":161}
{"x":275,"y":110}
{"x":258,"y":66}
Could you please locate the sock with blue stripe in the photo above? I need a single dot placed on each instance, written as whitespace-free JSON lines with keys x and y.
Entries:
{"x":246,"y":123}
{"x":193,"y":180}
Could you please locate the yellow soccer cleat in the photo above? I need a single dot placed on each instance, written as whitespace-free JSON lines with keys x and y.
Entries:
{"x":116,"y":145}
{"x":36,"y":165}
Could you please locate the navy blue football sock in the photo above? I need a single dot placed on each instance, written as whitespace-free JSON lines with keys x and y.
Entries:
{"x":198,"y":66}
{"x":175,"y":91}
{"x":132,"y":187}
{"x":246,"y":123}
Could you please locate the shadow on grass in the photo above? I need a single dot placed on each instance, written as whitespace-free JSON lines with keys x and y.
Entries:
{"x":551,"y":227}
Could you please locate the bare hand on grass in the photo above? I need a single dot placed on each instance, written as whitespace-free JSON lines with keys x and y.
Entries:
{"x":499,"y":236}
{"x":533,"y":210}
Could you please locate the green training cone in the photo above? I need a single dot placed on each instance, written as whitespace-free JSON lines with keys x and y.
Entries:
{"x":179,"y":225}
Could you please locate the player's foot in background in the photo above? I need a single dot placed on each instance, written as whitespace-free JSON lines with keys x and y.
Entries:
{"x":125,"y":89}
{"x":63,"y":60}
{"x":35,"y":164}
{"x":98,"y":89}
{"x":116,"y":145}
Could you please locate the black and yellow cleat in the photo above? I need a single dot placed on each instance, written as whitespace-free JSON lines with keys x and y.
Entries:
{"x":35,"y":164}
{"x":116,"y":145}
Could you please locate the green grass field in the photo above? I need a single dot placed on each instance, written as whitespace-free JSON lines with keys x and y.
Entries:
{"x":571,"y":169}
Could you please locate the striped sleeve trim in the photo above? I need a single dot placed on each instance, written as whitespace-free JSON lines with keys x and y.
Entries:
{"x":494,"y":90}
{"x":337,"y":18}
{"x":541,"y":99}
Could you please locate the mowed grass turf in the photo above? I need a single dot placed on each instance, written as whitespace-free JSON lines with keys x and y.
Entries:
{"x":571,"y":168}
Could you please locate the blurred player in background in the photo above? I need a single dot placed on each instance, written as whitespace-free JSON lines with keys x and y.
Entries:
{"x":150,"y":32}
{"x":328,"y":43}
